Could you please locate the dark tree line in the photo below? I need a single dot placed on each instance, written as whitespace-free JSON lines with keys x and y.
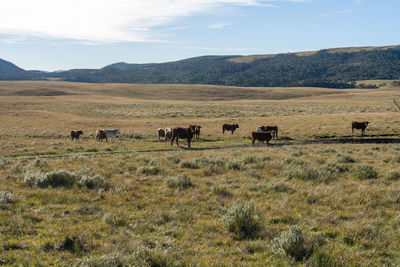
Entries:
{"x":321,"y":69}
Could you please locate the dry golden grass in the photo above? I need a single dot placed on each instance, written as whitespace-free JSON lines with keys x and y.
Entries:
{"x":142,"y":215}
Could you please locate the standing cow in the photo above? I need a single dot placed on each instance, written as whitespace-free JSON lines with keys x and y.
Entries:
{"x":160,"y":133}
{"x":195,"y":130}
{"x":112,"y":133}
{"x":184,"y":133}
{"x":100,"y":135}
{"x":229,"y":127}
{"x":76,"y":134}
{"x":168,"y":134}
{"x":273,"y":129}
{"x":264,"y":136}
{"x":359,"y":125}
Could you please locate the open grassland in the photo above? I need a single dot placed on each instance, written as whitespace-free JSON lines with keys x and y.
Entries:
{"x":317,"y":196}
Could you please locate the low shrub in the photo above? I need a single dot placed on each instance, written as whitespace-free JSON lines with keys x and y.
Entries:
{"x":364,"y":171}
{"x":63,"y":178}
{"x":6,"y":197}
{"x":307,"y":173}
{"x":149,"y":170}
{"x":38,"y":162}
{"x":91,"y":181}
{"x":342,"y":158}
{"x":189,"y":164}
{"x":293,"y":245}
{"x":395,"y":159}
{"x":57,"y":178}
{"x":220,"y":190}
{"x":242,"y":220}
{"x":393,"y":175}
{"x":234,"y":164}
{"x":181,"y":182}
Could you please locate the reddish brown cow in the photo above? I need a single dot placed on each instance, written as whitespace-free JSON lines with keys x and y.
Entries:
{"x":76,"y":134}
{"x":359,"y":125}
{"x":195,"y":130}
{"x":184,"y":133}
{"x":229,"y":127}
{"x":264,"y":136}
{"x":100,"y":135}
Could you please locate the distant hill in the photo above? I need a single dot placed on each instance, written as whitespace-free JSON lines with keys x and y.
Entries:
{"x":9,"y":71}
{"x":335,"y":68}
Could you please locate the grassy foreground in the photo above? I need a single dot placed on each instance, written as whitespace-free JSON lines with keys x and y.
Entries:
{"x":311,"y":198}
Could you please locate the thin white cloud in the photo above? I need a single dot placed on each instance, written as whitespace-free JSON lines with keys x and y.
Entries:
{"x":340,"y":12}
{"x":219,"y":25}
{"x":101,"y":21}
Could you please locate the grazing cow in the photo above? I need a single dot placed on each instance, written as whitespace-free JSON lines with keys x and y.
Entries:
{"x":264,"y":136}
{"x":76,"y":134}
{"x":100,"y":135}
{"x":184,"y":133}
{"x":273,"y":129}
{"x":359,"y":125}
{"x":195,"y":130}
{"x":168,"y":134}
{"x":160,"y":133}
{"x":229,"y":127}
{"x":112,"y":133}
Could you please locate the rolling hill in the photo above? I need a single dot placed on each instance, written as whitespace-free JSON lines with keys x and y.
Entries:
{"x":335,"y":68}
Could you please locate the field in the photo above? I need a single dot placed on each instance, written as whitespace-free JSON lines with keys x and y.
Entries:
{"x":316,"y":196}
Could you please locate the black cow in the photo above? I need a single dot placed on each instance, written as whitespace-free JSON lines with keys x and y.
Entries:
{"x":76,"y":134}
{"x":359,"y":125}
{"x":229,"y":127}
{"x":184,"y":133}
{"x":273,"y":129}
{"x":264,"y":136}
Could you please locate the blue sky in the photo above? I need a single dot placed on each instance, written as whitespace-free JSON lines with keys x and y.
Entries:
{"x":64,"y":34}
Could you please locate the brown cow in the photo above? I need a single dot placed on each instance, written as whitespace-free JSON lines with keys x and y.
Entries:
{"x":184,"y":133}
{"x":229,"y":127}
{"x":100,"y":135}
{"x":76,"y":134}
{"x":264,"y":136}
{"x":273,"y":129}
{"x":160,"y":133}
{"x":195,"y":130}
{"x":359,"y":125}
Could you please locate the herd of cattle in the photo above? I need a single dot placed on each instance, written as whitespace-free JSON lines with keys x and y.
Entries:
{"x":262,"y":133}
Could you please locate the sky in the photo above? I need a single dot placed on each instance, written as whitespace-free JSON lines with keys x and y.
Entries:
{"x":65,"y":34}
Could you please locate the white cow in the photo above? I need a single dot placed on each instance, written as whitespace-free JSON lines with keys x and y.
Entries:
{"x":112,"y":133}
{"x":168,"y":134}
